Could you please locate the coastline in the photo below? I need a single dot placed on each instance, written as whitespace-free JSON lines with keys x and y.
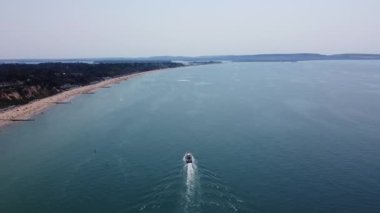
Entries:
{"x":29,"y":110}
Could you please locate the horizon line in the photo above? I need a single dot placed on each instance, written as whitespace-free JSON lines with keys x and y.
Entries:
{"x":181,"y":56}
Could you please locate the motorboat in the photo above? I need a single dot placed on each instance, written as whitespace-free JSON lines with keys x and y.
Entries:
{"x":188,"y":157}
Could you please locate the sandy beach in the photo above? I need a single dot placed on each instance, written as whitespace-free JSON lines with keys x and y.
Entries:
{"x":27,"y":111}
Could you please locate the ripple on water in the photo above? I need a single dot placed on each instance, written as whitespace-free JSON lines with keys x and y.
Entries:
{"x":189,"y":188}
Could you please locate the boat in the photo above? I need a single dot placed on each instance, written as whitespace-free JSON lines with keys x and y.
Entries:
{"x":188,"y":157}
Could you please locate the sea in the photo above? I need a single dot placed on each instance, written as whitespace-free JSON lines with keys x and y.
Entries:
{"x":266,"y":137}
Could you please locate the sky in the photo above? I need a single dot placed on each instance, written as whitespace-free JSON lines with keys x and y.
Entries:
{"x":138,"y":28}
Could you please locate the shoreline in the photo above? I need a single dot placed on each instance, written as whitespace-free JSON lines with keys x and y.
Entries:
{"x":27,"y":111}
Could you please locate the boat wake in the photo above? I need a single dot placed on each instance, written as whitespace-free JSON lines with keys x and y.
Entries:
{"x":189,"y":188}
{"x":211,"y":194}
{"x":192,"y":186}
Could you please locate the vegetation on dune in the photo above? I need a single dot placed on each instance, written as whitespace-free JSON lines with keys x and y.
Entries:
{"x":22,"y":83}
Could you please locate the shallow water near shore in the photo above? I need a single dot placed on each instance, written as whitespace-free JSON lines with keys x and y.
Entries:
{"x":266,"y":137}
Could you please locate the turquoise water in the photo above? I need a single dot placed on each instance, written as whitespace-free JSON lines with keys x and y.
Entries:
{"x":266,"y":137}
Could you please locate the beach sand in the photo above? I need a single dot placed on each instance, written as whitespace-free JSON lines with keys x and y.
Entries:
{"x":27,"y":111}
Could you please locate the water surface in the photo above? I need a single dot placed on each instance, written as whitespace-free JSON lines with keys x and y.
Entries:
{"x":267,"y":137}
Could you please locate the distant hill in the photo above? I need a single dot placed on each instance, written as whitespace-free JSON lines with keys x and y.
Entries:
{"x":270,"y":57}
{"x":233,"y":58}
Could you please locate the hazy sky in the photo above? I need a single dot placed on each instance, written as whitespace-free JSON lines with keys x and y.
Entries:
{"x":130,"y":28}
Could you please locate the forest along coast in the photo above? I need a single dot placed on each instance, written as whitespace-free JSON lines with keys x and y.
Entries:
{"x":29,"y":89}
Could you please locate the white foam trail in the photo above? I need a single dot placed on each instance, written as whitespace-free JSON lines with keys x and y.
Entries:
{"x":192,"y":185}
{"x":190,"y":179}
